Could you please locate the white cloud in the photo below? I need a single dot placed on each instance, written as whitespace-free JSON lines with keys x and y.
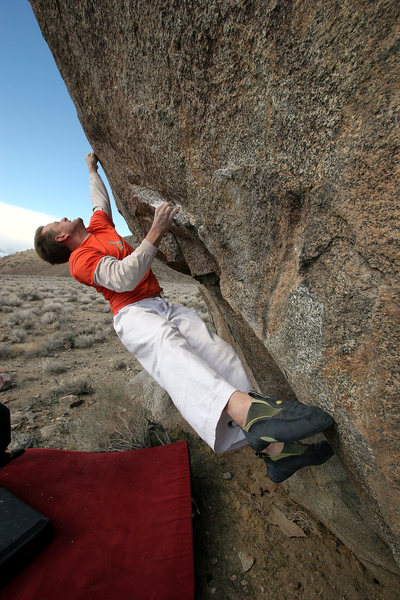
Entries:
{"x":18,"y":226}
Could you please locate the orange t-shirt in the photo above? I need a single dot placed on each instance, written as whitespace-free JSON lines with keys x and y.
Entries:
{"x":105,"y":241}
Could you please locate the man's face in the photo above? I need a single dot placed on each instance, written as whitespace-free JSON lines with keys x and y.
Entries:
{"x":65,"y":226}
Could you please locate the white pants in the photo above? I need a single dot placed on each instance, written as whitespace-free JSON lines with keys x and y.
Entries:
{"x":197,"y":368}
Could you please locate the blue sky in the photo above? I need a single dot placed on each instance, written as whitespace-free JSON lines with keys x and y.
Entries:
{"x":43,"y":173}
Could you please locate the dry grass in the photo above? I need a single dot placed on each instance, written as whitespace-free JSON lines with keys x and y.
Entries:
{"x":48,"y":318}
{"x":53,"y":367}
{"x":29,"y":349}
{"x":41,"y":325}
{"x":50,"y":305}
{"x":76,"y":387}
{"x":18,"y":336}
{"x":117,"y":364}
{"x":6,"y":351}
{"x":116,"y":423}
{"x":84,"y":341}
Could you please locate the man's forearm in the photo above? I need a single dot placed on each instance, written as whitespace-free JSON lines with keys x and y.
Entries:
{"x":98,"y":191}
{"x":155,"y":236}
{"x":99,"y":194}
{"x":124,"y":275}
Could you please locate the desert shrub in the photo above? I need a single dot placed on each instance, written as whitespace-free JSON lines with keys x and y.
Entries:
{"x":117,"y":364}
{"x":11,"y":300}
{"x":33,"y":297}
{"x":20,"y":317}
{"x":53,"y":367}
{"x":29,"y":349}
{"x":116,"y":423}
{"x":6,"y":350}
{"x":99,"y":337}
{"x":77,"y":387}
{"x":89,"y":329}
{"x":18,"y":336}
{"x":48,"y":318}
{"x":83,"y":341}
{"x":51,"y":306}
{"x":22,"y":294}
{"x":68,"y":309}
{"x":58,"y":341}
{"x":6,"y":309}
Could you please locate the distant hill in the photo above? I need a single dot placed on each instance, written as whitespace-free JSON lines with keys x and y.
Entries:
{"x":27,"y":262}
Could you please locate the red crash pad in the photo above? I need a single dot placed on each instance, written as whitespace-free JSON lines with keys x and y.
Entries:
{"x":122,"y":524}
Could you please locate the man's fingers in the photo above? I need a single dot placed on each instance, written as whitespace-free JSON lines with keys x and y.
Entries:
{"x":171,"y":212}
{"x":91,"y":156}
{"x":175,"y":210}
{"x":164,"y":215}
{"x":173,"y":207}
{"x":167,"y":208}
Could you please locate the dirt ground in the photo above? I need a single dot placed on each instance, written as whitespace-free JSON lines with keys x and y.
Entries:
{"x":251,"y":541}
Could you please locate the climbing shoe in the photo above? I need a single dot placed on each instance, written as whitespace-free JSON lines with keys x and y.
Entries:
{"x":293,"y":457}
{"x":270,"y":420}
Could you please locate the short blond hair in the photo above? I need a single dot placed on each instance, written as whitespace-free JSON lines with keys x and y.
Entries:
{"x":48,"y":249}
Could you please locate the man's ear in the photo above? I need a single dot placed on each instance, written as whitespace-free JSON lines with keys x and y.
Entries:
{"x":61,"y":238}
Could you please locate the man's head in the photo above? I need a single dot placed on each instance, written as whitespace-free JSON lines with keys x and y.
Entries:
{"x":55,"y":241}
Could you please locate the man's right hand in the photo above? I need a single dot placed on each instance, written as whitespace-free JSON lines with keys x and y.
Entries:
{"x":163,"y":218}
{"x":91,"y":160}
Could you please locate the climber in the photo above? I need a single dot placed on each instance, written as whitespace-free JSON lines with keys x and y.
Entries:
{"x":202,"y":374}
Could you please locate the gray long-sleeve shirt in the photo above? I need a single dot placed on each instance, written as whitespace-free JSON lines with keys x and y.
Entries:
{"x":118,"y":275}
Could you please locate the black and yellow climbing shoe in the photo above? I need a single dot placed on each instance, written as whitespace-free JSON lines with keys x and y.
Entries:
{"x":293,"y":457}
{"x":270,"y":420}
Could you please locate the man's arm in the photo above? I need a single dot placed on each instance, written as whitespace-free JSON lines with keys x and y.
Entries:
{"x":98,"y":191}
{"x":124,"y":275}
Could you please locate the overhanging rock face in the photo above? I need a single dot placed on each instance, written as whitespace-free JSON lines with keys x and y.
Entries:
{"x":273,"y":125}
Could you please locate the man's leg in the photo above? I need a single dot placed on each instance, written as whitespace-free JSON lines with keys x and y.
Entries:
{"x":286,"y":421}
{"x":209,"y":346}
{"x":281,"y":459}
{"x":149,"y":329}
{"x":220,"y":356}
{"x":198,"y":391}
{"x":207,"y":400}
